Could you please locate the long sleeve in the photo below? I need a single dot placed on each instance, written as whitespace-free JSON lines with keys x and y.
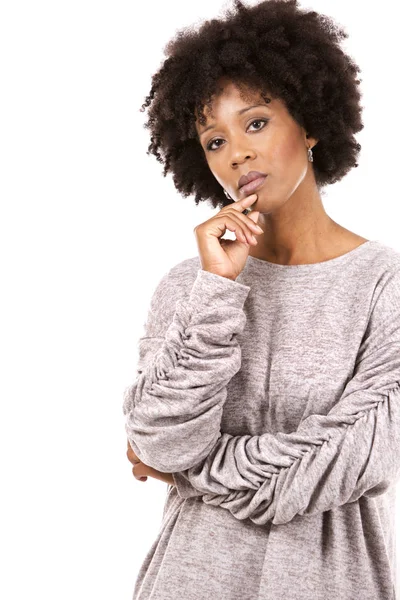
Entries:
{"x":187,"y":356}
{"x":331,"y":459}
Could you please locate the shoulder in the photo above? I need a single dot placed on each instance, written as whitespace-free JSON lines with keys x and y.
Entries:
{"x":385,"y":256}
{"x":378,"y":264}
{"x":381,"y":274}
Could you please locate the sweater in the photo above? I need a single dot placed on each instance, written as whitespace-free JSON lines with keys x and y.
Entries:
{"x":274,"y":400}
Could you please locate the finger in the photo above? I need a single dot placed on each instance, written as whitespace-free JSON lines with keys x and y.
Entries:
{"x":141,"y":478}
{"x":250,"y":221}
{"x":234,"y":223}
{"x":138,"y":473}
{"x":132,"y":457}
{"x":234,"y":226}
{"x":130,"y":450}
{"x":143,"y":470}
{"x":254,"y":217}
{"x":240,"y":205}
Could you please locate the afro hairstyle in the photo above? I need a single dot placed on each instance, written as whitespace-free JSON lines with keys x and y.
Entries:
{"x":275,"y":49}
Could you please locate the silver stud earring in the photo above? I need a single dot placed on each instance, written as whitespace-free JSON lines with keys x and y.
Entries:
{"x":310,"y":155}
{"x":227,"y":195}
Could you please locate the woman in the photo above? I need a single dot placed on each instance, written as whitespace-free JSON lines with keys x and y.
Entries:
{"x":268,"y":385}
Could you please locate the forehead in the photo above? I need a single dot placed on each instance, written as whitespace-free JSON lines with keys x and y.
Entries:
{"x":229,"y":98}
{"x":232,"y":102}
{"x":230,"y":92}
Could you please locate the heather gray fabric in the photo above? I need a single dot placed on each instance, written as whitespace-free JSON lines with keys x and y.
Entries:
{"x":275,"y":401}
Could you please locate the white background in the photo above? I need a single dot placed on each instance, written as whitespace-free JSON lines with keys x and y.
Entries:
{"x":88,"y":227}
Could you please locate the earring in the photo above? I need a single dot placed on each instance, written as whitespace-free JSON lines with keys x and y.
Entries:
{"x":226,"y":194}
{"x":310,"y":155}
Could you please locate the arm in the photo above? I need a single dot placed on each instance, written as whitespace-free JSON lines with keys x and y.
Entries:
{"x":331,"y":459}
{"x":141,"y":471}
{"x":173,"y":410}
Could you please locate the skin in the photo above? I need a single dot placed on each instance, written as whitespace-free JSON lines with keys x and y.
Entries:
{"x":297,"y":229}
{"x":141,"y":471}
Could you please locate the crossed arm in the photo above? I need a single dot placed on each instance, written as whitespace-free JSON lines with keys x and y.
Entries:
{"x":141,"y":471}
{"x":330,"y":460}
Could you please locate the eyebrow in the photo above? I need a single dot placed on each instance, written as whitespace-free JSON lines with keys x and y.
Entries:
{"x":240,"y":112}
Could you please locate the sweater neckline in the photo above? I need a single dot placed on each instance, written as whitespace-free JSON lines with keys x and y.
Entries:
{"x":314,"y":266}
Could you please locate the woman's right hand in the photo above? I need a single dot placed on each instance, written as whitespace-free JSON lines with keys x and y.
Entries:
{"x":228,"y":257}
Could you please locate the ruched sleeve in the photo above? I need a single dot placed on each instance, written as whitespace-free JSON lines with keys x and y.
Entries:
{"x":173,"y":409}
{"x":331,"y":459}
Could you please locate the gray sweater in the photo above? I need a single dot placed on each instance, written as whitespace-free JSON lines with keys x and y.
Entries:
{"x":275,"y":402}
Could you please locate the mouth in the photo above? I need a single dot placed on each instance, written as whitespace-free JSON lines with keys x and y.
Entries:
{"x":252,"y":185}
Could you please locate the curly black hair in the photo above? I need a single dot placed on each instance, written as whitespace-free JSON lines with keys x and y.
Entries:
{"x":276,"y":49}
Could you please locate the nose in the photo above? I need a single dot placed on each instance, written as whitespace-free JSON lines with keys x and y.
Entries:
{"x":237,"y":161}
{"x":241,"y":152}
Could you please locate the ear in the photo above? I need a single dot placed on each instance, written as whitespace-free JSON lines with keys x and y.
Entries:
{"x":311,"y":142}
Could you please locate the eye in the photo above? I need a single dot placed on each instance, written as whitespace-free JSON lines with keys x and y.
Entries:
{"x":265,"y":121}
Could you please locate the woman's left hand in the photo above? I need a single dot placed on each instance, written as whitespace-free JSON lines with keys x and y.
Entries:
{"x":141,"y":471}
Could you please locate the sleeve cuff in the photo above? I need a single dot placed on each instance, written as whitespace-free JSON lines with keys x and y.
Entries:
{"x":212,"y":288}
{"x":184,"y":488}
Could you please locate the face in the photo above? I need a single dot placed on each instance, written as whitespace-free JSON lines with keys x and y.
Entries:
{"x":265,"y":138}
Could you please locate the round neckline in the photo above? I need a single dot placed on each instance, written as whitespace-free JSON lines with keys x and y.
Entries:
{"x":314,"y":266}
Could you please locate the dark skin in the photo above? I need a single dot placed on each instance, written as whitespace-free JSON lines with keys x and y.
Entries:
{"x":297,"y":230}
{"x":141,"y":471}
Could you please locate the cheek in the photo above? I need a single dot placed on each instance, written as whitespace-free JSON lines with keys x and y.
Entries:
{"x":217,"y":177}
{"x":217,"y":171}
{"x":287,"y":149}
{"x":287,"y":154}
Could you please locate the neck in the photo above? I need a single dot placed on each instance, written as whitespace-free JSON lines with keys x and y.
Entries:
{"x":298,"y":232}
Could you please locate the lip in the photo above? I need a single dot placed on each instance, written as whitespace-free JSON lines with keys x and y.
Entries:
{"x":252,"y":185}
{"x":251,"y":175}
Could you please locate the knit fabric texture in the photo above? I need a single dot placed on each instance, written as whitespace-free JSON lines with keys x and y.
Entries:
{"x":274,"y":400}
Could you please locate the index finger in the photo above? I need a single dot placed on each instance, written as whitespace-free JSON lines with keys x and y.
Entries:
{"x":245,"y":202}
